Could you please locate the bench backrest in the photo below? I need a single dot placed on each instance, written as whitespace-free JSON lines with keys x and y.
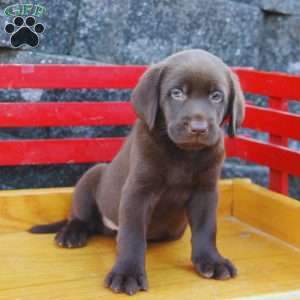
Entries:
{"x":274,"y":119}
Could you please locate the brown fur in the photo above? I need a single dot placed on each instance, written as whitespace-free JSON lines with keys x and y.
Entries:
{"x":165,"y":176}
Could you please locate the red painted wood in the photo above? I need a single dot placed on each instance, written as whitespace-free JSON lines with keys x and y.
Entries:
{"x":277,"y":157}
{"x":22,"y":152}
{"x":125,"y":77}
{"x":57,"y":151}
{"x":276,"y":122}
{"x":277,"y":85}
{"x":278,"y":181}
{"x":121,"y":113}
{"x":65,"y":114}
{"x":69,"y":76}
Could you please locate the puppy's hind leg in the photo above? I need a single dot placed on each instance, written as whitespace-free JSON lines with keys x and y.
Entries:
{"x":85,"y":218}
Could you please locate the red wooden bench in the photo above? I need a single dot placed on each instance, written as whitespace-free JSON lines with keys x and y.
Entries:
{"x":276,"y":120}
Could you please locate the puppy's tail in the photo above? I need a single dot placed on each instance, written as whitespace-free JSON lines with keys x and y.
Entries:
{"x":48,"y":228}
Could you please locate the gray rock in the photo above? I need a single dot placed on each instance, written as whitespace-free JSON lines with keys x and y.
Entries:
{"x":294,"y":68}
{"x":23,"y":133}
{"x":257,"y":174}
{"x":142,"y":32}
{"x":86,"y":95}
{"x":88,"y":131}
{"x":10,"y":95}
{"x":8,"y":56}
{"x":59,"y":21}
{"x":291,"y":7}
{"x":288,"y":7}
{"x":249,"y":2}
{"x":294,"y":187}
{"x":281,"y":39}
{"x":41,"y":176}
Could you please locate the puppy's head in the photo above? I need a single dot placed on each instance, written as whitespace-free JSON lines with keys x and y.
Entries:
{"x":196,"y":92}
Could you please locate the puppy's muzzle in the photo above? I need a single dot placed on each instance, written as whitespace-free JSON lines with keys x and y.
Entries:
{"x":198,"y":127}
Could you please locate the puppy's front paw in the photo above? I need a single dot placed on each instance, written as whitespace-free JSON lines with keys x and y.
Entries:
{"x":216,"y":268}
{"x":73,"y":235}
{"x":126,"y":280}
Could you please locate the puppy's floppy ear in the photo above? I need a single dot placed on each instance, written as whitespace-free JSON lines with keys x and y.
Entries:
{"x":145,"y":96}
{"x":236,"y":108}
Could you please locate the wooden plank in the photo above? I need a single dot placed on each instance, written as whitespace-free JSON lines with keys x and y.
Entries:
{"x":69,"y":76}
{"x":273,"y":121}
{"x":89,"y":150}
{"x":278,"y":85}
{"x":58,"y":151}
{"x":44,"y":114}
{"x":278,"y":180}
{"x":125,"y":77}
{"x":277,"y":157}
{"x":20,"y":209}
{"x":273,"y":213}
{"x":37,"y":269}
{"x":121,"y":113}
{"x":290,"y":295}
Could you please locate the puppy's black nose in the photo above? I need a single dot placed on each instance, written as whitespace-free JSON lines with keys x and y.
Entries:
{"x":198,"y":127}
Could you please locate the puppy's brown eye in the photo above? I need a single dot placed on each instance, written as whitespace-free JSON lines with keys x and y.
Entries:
{"x":216,"y":96}
{"x":178,"y":94}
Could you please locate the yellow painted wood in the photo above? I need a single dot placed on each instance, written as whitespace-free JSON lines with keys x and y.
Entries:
{"x":274,"y":213}
{"x":20,"y":209}
{"x":33,"y":268}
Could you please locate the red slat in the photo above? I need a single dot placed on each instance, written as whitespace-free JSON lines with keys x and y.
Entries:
{"x":273,"y":121}
{"x":121,"y":113}
{"x":82,"y":76}
{"x":69,"y":76}
{"x":57,"y":151}
{"x":279,"y":181}
{"x":278,"y":85}
{"x":65,"y":114}
{"x":277,"y":157}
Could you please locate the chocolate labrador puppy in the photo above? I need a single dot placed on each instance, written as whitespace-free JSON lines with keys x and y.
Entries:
{"x":166,"y":174}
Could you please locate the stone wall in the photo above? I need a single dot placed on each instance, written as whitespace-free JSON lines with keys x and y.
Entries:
{"x":264,"y":34}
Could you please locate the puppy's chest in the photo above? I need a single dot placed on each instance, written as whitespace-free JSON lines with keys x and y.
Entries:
{"x":182,"y":175}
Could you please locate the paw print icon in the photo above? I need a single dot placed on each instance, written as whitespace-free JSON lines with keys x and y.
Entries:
{"x":24,"y":31}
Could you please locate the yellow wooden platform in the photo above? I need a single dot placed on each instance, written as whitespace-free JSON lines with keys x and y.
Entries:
{"x":258,"y":230}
